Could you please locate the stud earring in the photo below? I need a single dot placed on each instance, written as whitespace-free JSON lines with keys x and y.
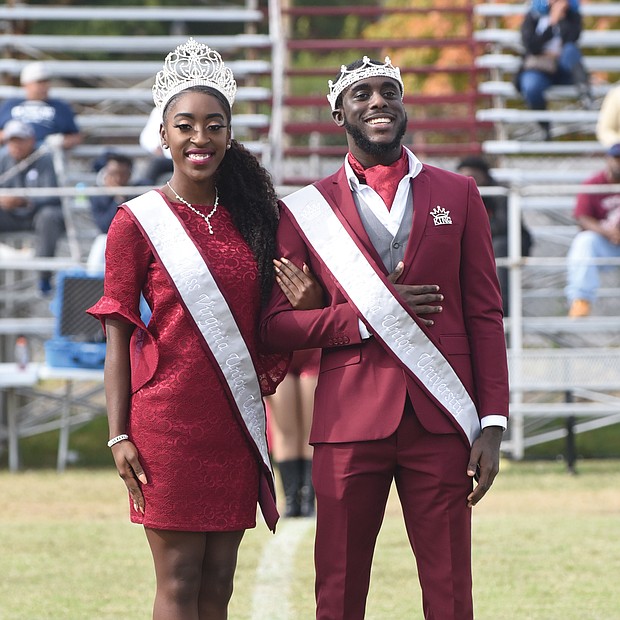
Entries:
{"x":228,"y":146}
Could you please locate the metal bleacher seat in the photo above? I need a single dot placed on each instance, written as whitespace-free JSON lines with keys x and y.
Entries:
{"x":509,"y":63}
{"x":515,"y":147}
{"x":512,"y":115}
{"x":107,"y":78}
{"x":125,"y":95}
{"x":500,"y":9}
{"x":122,"y":44}
{"x":507,"y":90}
{"x":224,"y":14}
{"x":511,"y":39}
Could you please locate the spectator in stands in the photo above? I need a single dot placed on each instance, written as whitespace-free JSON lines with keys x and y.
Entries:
{"x":21,"y":166}
{"x":392,"y":401}
{"x":497,"y":210}
{"x":53,"y":119}
{"x":598,"y":215}
{"x":116,"y":172}
{"x":160,"y":163}
{"x":608,"y":125}
{"x":549,"y":34}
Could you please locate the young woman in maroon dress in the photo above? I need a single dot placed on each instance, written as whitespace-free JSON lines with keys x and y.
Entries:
{"x":190,"y":459}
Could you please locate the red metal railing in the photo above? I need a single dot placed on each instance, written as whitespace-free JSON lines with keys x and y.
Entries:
{"x":448,"y":125}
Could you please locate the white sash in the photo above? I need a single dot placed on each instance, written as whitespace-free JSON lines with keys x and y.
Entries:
{"x":373,"y":300}
{"x":207,"y":307}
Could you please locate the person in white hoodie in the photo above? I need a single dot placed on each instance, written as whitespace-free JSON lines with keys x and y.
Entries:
{"x":160,"y":163}
{"x":608,"y":124}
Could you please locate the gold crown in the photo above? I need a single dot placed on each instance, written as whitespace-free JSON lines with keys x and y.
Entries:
{"x":367,"y":70}
{"x":193,"y":64}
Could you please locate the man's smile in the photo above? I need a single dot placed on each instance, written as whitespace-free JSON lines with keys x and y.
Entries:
{"x":379,"y":120}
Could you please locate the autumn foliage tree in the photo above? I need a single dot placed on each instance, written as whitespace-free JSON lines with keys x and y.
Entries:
{"x":446,"y":25}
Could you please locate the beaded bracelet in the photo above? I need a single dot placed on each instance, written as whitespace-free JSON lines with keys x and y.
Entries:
{"x":116,"y":439}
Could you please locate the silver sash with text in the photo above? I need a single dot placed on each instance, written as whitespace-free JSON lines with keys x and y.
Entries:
{"x":385,"y":315}
{"x":207,"y":307}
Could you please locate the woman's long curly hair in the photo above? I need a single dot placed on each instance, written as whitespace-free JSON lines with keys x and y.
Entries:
{"x":246,"y":190}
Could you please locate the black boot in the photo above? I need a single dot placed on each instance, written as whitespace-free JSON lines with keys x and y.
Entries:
{"x":545,"y":126}
{"x":306,"y":491}
{"x":581,"y":80}
{"x":546,"y":130}
{"x":291,"y":482}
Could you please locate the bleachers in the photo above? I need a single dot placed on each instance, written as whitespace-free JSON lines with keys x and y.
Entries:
{"x":550,"y":379}
{"x":112,"y":94}
{"x":107,"y":80}
{"x":118,"y":44}
{"x":500,"y":58}
{"x":441,"y":124}
{"x":553,"y":359}
{"x":290,"y":128}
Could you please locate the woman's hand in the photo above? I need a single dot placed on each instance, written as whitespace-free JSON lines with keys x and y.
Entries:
{"x":130,"y":470}
{"x":299,"y":285}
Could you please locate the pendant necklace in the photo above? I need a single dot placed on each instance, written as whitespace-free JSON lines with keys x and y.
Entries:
{"x":206,"y":218}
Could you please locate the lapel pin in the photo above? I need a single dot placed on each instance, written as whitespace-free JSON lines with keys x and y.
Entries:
{"x":441,"y":216}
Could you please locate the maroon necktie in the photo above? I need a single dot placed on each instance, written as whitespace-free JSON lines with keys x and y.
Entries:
{"x":383,"y":179}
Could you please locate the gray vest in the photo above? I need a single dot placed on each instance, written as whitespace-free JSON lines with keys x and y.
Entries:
{"x":390,"y":249}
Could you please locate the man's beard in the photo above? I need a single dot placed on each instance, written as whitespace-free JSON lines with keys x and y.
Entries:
{"x":375,"y":148}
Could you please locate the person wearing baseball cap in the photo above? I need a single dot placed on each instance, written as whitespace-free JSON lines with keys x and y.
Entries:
{"x":34,"y":72}
{"x":614,"y":151}
{"x":18,"y":129}
{"x":598,"y":215}
{"x":23,"y":166}
{"x":47,"y":115}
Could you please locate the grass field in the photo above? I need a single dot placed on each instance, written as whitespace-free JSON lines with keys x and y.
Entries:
{"x":546,"y":548}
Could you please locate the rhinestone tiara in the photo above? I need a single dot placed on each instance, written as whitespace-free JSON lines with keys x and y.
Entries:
{"x":193,"y":64}
{"x":367,"y":70}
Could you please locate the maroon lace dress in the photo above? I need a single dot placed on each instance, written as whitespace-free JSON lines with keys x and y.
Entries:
{"x":202,"y":468}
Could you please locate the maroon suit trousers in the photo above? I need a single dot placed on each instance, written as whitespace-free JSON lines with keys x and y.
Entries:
{"x":352,"y":482}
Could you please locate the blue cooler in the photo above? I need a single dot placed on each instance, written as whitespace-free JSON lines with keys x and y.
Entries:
{"x":78,"y":340}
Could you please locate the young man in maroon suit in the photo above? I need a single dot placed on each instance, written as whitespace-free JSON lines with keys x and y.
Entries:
{"x":413,"y":385}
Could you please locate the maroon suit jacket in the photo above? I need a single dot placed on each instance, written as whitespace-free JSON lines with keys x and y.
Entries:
{"x":361,"y":390}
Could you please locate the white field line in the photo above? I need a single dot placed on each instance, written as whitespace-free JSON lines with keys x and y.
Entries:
{"x":271,"y":598}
